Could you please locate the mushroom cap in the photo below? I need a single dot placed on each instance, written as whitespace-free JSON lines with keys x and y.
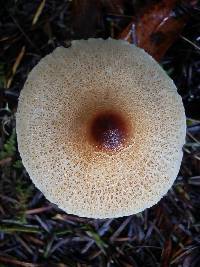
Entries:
{"x":100,"y":128}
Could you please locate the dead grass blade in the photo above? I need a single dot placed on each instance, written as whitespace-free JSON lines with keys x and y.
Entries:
{"x":38,"y":12}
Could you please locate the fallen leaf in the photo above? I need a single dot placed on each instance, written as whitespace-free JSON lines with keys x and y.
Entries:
{"x":156,"y":27}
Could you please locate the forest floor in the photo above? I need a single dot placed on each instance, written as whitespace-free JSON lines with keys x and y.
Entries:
{"x":34,"y":232}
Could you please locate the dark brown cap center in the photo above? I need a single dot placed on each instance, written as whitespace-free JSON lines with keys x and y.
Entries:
{"x":108,"y":131}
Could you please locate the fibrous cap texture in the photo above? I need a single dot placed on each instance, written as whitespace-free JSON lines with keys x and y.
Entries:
{"x":100,"y":128}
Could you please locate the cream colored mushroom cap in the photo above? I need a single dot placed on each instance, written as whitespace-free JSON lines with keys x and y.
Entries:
{"x":61,"y":100}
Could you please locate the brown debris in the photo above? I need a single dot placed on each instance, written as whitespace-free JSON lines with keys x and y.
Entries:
{"x":166,"y":253}
{"x":15,"y":262}
{"x":16,"y":65}
{"x":88,"y":15}
{"x":156,"y":27}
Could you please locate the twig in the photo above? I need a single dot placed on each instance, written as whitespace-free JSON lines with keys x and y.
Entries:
{"x":190,"y":42}
{"x":38,"y":210}
{"x":18,"y":263}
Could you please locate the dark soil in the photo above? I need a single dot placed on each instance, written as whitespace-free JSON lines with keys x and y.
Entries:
{"x":34,"y":232}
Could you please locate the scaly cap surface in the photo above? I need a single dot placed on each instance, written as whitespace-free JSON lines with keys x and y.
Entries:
{"x":100,"y":128}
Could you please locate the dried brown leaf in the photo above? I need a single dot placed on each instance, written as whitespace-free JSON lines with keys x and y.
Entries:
{"x":156,"y":27}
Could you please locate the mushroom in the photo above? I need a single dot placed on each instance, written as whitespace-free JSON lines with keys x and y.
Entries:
{"x":100,"y":128}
